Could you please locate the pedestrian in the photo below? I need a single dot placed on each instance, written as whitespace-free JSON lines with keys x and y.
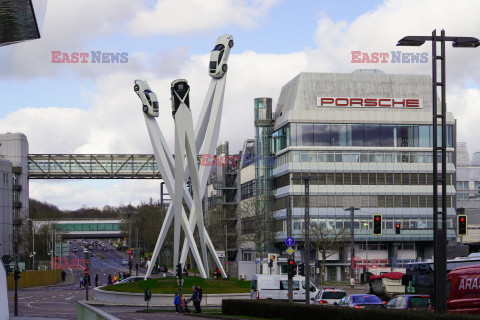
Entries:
{"x":64,"y":274}
{"x":124,"y":275}
{"x":88,"y":280}
{"x":194,"y":299}
{"x":109,"y":279}
{"x":128,"y":275}
{"x":85,"y":281}
{"x":119,"y":276}
{"x":199,"y":298}
{"x":176,"y":302}
{"x":81,"y":281}
{"x":96,"y":280}
{"x":183,"y":305}
{"x":114,"y":279}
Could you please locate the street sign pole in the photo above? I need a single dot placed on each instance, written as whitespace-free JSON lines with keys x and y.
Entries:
{"x":289,"y":234}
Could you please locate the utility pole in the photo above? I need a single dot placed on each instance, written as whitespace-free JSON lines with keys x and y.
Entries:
{"x":306,"y":179}
{"x":289,"y":234}
{"x":226,"y":251}
{"x":136,"y":251}
{"x":33,"y":245}
{"x":352,"y":246}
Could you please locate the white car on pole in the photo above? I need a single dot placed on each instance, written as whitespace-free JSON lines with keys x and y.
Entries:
{"x":148,"y":97}
{"x":219,"y":56}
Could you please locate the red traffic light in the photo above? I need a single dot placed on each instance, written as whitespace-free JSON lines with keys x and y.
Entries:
{"x":290,"y":262}
{"x":462,"y":219}
{"x":377,"y":218}
{"x":397,"y":225}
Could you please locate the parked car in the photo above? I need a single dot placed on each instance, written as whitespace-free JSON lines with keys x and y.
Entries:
{"x":329,"y":296}
{"x":361,"y":301}
{"x":162,"y":268}
{"x":124,"y":262}
{"x":219,"y":56}
{"x":409,"y":301}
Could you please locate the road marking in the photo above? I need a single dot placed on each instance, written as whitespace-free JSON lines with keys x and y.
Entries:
{"x":69,"y":298}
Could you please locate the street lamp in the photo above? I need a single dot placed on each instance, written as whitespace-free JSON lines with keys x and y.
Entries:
{"x":130,"y":262}
{"x":439,"y":232}
{"x":306,"y":179}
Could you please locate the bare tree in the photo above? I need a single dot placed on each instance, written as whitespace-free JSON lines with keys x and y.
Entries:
{"x":258,"y":224}
{"x":327,"y":241}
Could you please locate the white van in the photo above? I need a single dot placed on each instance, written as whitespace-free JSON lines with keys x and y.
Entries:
{"x":275,"y":287}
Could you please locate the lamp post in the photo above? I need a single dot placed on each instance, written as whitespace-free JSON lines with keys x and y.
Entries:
{"x":439,"y":230}
{"x":306,"y":179}
{"x":352,"y":244}
{"x":130,"y":262}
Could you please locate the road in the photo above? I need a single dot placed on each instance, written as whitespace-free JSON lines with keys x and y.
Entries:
{"x":59,"y":301}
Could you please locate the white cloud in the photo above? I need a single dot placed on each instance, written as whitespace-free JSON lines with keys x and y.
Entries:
{"x":199,"y":16}
{"x":114,"y":122}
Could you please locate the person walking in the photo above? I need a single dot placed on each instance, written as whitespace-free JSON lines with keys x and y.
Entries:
{"x":114,"y":279}
{"x":124,"y":275}
{"x":81,"y":282}
{"x":182,"y":304}
{"x":64,"y":274}
{"x":96,"y":280}
{"x":88,"y":280}
{"x":199,"y":298}
{"x":176,"y":302}
{"x":119,"y":276}
{"x":109,"y":279}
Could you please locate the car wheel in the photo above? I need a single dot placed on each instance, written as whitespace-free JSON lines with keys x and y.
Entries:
{"x":136,"y":87}
{"x":224,"y":68}
{"x":145,"y":109}
{"x":230,"y":43}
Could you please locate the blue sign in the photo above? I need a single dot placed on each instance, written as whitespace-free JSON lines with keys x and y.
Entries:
{"x":290,"y":241}
{"x":256,"y":261}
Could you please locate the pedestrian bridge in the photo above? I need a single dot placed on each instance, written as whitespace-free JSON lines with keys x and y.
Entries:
{"x":92,"y":166}
{"x":86,"y":228}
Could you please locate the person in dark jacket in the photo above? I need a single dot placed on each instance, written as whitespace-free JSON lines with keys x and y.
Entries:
{"x":64,"y":274}
{"x":109,"y":279}
{"x":96,"y":280}
{"x":195,"y":301}
{"x":199,"y":298}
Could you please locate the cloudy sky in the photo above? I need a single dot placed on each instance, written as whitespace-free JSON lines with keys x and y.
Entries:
{"x":92,"y":108}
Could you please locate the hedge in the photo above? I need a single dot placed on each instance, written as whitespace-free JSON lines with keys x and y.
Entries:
{"x":293,"y":311}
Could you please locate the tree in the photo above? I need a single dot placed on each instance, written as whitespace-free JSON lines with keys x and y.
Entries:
{"x":257,"y":223}
{"x":327,"y":241}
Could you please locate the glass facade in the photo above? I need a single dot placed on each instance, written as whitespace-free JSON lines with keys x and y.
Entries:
{"x":357,"y":135}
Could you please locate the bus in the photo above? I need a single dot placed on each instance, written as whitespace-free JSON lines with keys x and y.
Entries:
{"x":419,"y":278}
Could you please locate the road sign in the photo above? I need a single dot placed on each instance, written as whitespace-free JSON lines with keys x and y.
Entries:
{"x":221,"y":254}
{"x":290,"y":241}
{"x":85,"y":271}
{"x":256,"y":261}
{"x":290,"y":250}
{"x":129,"y":251}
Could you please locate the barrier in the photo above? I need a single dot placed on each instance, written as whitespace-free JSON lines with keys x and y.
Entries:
{"x":35,"y":278}
{"x":159,"y":300}
{"x":87,"y":312}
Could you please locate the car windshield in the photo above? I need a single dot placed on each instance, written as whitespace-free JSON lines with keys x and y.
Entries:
{"x":213,"y":64}
{"x":419,"y":302}
{"x":366,"y":299}
{"x":219,"y":47}
{"x":333,"y":295}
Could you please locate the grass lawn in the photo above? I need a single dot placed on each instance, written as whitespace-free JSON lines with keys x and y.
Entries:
{"x":170,"y":285}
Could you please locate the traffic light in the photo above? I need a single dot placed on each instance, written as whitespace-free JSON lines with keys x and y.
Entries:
{"x":291,"y":265}
{"x":179,"y":271}
{"x":16,"y":274}
{"x":294,"y":270}
{"x":397,"y":228}
{"x":301,"y":269}
{"x":377,"y":224}
{"x":462,"y":225}
{"x":6,"y":259}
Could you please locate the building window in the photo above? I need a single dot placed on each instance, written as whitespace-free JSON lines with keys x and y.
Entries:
{"x":247,"y":256}
{"x":247,"y":189}
{"x":462,"y":196}
{"x":462,"y":185}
